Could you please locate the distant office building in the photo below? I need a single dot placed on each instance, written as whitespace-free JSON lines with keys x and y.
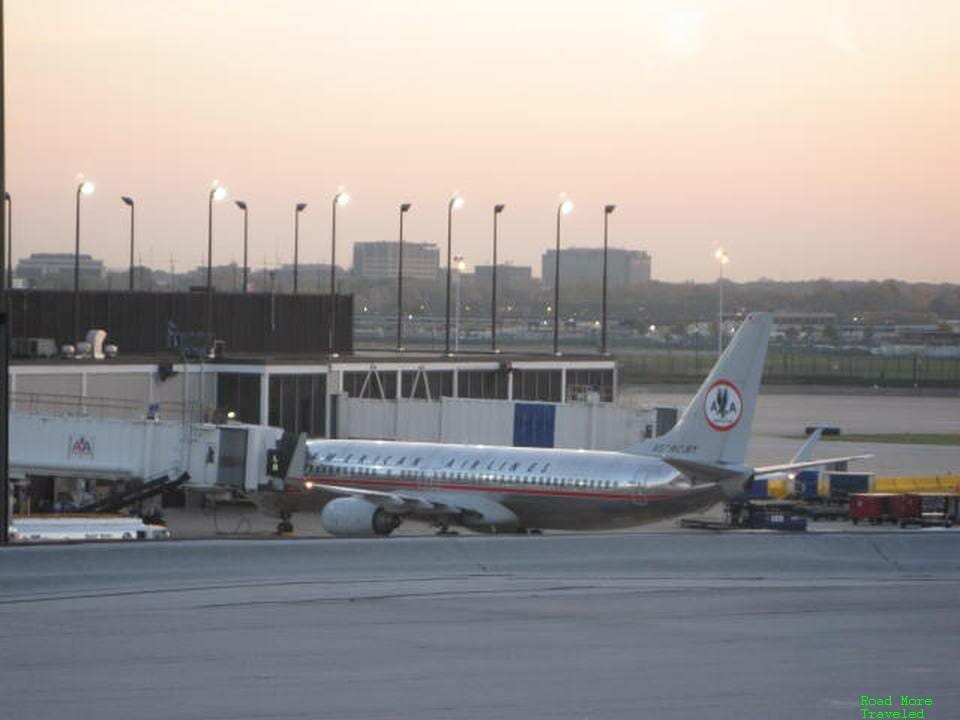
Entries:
{"x":379,"y":260}
{"x":506,"y":274}
{"x":58,"y":266}
{"x":582,"y":266}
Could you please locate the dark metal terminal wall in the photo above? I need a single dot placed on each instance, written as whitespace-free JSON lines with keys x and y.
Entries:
{"x":137,"y":321}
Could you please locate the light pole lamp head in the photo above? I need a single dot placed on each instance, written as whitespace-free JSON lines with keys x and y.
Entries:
{"x":86,"y":187}
{"x":301,"y":207}
{"x":497,"y":209}
{"x":404,"y":207}
{"x":456,"y":201}
{"x":218,"y":192}
{"x":341,"y":198}
{"x":609,"y":208}
{"x":721,"y":256}
{"x":127,"y":200}
{"x":241,"y":204}
{"x":565,"y":207}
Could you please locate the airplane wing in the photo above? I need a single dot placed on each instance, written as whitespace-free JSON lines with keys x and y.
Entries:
{"x":700,"y":472}
{"x":398,"y":503}
{"x":787,"y":467}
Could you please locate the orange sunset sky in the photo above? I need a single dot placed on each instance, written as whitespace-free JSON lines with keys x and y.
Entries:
{"x":809,"y":138}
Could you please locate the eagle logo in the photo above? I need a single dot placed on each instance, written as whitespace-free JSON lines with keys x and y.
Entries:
{"x":723,"y":405}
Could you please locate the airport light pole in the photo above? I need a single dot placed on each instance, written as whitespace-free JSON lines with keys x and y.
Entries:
{"x":461,"y":266}
{"x":217,"y":193}
{"x":4,"y":328}
{"x":297,"y":209}
{"x":607,"y":210}
{"x":242,"y":204}
{"x":84,"y":187}
{"x":455,"y":203}
{"x":497,"y":209}
{"x":404,"y":208}
{"x":341,"y":198}
{"x":128,"y":201}
{"x":9,"y":201}
{"x":722,"y":258}
{"x":564,"y":208}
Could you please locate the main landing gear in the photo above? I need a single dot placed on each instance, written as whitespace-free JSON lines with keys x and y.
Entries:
{"x":285,"y":526}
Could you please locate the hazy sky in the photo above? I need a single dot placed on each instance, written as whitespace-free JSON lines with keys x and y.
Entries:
{"x":809,"y":138}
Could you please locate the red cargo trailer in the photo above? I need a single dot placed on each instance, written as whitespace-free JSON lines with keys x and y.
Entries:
{"x":870,"y":507}
{"x":926,"y":509}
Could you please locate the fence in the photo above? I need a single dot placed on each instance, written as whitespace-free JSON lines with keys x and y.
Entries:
{"x":799,"y":368}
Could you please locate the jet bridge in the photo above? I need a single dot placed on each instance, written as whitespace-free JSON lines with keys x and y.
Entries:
{"x":83,"y":461}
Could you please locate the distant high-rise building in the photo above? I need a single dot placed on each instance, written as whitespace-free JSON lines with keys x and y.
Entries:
{"x":582,"y":266}
{"x":379,"y":260}
{"x":60,"y":266}
{"x":506,"y":274}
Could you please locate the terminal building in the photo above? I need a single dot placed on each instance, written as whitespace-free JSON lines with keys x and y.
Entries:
{"x":583,"y":266}
{"x":268,"y":360}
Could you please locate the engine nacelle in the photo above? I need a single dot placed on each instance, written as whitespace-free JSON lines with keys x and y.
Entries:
{"x":354,"y":517}
{"x":489,"y":517}
{"x":735,"y":487}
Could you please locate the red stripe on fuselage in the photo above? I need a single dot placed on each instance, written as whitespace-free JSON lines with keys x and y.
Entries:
{"x":388,"y":483}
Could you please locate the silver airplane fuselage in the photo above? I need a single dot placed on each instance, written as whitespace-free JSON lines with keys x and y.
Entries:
{"x":542,"y":487}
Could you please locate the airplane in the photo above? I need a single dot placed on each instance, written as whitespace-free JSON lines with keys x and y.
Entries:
{"x":367,"y":488}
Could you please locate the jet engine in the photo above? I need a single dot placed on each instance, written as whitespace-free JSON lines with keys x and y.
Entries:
{"x":354,"y":517}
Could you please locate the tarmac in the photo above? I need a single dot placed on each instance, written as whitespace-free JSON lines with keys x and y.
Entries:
{"x":648,"y":625}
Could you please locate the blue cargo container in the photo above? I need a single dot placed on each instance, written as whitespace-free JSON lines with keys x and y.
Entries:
{"x":774,"y":517}
{"x":848,"y":483}
{"x":758,"y":490}
{"x":805,"y":483}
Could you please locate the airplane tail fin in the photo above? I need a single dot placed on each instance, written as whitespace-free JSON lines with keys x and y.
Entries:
{"x":715,"y":427}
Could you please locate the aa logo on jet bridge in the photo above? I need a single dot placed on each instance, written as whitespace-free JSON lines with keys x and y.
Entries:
{"x":723,"y":405}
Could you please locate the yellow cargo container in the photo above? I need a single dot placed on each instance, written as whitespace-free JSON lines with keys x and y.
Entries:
{"x":916,"y":484}
{"x":777,"y":488}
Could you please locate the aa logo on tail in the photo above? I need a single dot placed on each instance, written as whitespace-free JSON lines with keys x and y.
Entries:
{"x":723,"y":405}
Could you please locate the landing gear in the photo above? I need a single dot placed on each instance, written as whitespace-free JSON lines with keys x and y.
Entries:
{"x":284,"y":527}
{"x":529,"y":531}
{"x":443,"y":530}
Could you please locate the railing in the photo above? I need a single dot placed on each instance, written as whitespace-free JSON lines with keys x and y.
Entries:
{"x":35,"y":403}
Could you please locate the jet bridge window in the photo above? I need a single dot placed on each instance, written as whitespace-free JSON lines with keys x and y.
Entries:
{"x":328,"y":456}
{"x":532,"y":466}
{"x":416,"y":461}
{"x":402,"y":460}
{"x":546,"y":466}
